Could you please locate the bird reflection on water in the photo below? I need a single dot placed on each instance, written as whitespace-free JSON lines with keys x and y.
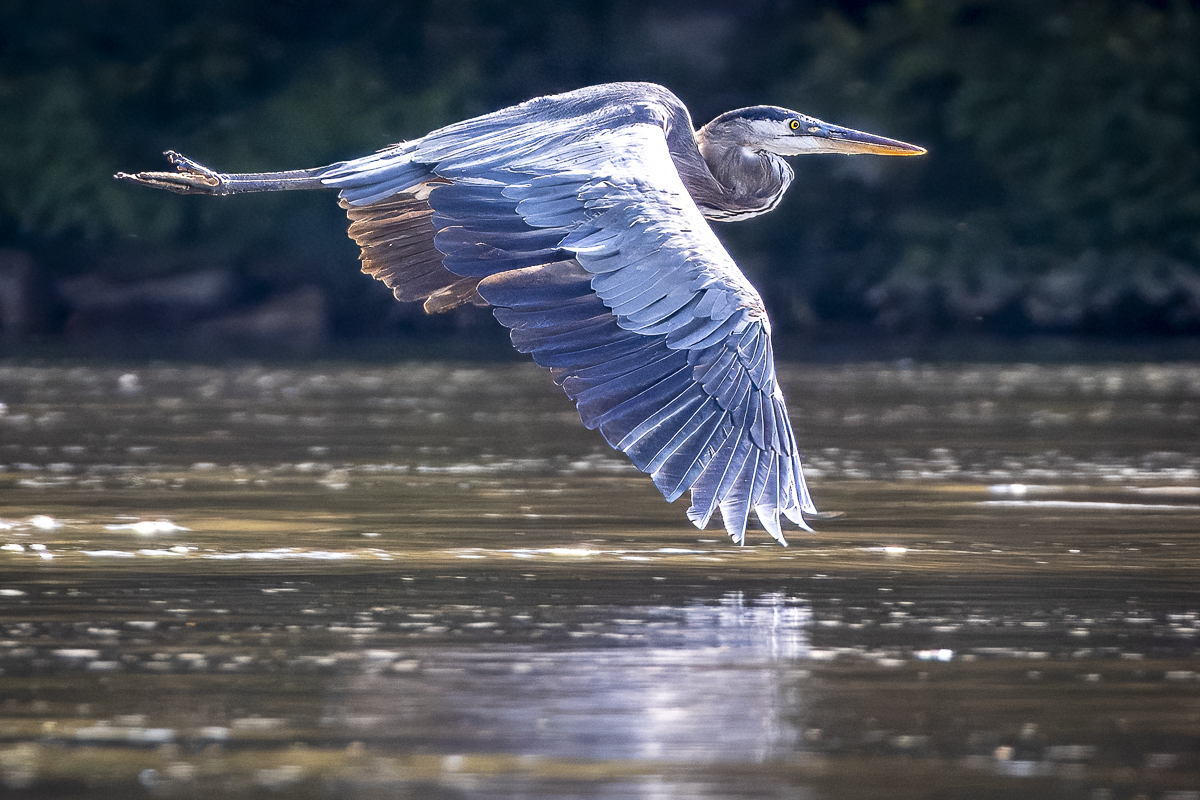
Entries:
{"x":695,"y":682}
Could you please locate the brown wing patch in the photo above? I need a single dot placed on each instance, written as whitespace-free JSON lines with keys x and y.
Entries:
{"x":396,"y":237}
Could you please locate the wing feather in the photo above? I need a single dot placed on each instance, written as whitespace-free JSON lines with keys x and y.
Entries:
{"x":616,"y":422}
{"x":691,"y":458}
{"x":658,"y":428}
{"x":397,"y":248}
{"x":701,"y":418}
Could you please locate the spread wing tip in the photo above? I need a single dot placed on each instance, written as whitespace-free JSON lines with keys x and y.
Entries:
{"x":768,"y":516}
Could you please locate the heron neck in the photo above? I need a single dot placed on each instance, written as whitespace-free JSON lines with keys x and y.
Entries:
{"x":736,"y":181}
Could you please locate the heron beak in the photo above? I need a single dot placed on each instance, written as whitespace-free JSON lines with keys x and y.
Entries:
{"x":821,"y":137}
{"x":836,"y":139}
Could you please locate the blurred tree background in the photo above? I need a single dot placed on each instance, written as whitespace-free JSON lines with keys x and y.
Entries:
{"x":1061,"y":192}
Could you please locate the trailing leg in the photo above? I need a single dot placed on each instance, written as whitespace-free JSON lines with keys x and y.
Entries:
{"x":194,"y":178}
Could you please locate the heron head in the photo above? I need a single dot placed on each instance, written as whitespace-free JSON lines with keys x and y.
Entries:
{"x":789,"y":133}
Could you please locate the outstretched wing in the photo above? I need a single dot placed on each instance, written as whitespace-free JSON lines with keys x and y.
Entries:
{"x":569,"y":217}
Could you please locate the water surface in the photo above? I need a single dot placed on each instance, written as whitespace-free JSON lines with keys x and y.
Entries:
{"x":428,"y":580}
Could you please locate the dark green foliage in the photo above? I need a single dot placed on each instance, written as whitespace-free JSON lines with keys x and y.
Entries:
{"x":1064,"y":178}
{"x":1062,"y":189}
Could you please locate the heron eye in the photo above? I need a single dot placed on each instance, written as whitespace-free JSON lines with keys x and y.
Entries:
{"x":794,"y":124}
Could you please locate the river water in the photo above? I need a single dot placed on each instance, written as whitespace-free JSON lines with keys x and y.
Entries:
{"x":427,"y":580}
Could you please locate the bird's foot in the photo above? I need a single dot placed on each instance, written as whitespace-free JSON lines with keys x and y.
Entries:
{"x":190,"y":177}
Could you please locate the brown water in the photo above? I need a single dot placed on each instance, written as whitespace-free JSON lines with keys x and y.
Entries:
{"x":429,"y":581}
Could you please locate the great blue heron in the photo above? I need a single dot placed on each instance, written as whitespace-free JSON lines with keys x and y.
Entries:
{"x":580,"y":219}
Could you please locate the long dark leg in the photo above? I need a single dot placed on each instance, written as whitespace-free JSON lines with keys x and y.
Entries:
{"x":193,"y":178}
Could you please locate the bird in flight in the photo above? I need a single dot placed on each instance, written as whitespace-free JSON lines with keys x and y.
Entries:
{"x":581,"y":219}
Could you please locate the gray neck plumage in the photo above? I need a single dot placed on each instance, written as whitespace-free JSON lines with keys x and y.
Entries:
{"x":731,"y":181}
